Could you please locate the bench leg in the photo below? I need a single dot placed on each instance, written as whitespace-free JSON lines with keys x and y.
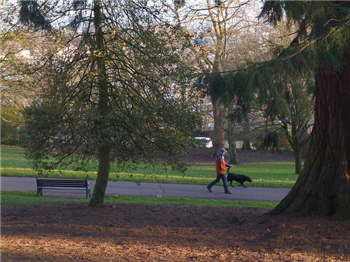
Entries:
{"x":39,"y":191}
{"x":88,"y":190}
{"x":88,"y":193}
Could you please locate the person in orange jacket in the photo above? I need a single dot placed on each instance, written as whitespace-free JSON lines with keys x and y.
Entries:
{"x":220,"y":171}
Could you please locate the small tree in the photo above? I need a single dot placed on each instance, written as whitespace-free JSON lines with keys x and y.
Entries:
{"x":289,"y":100}
{"x":296,"y":119}
{"x":115,"y":90}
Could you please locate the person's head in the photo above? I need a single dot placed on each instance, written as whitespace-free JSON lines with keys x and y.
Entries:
{"x":223,"y":151}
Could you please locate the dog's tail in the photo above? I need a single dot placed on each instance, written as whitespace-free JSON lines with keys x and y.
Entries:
{"x":228,"y":169}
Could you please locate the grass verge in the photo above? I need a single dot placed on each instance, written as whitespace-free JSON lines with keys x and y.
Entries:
{"x":21,"y":198}
{"x":264,"y":174}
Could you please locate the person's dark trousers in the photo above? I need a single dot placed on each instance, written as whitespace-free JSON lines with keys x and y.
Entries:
{"x":217,"y":180}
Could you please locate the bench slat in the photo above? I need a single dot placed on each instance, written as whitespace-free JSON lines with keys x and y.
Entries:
{"x":68,"y":184}
{"x":68,"y":188}
{"x":62,"y":184}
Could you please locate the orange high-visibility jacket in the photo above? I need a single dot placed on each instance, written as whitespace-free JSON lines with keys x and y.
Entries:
{"x":220,"y":164}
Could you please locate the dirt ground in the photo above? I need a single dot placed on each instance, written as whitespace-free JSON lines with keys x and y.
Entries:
{"x":141,"y":232}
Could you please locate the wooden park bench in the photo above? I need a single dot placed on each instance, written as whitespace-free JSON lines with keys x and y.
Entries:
{"x":66,"y":184}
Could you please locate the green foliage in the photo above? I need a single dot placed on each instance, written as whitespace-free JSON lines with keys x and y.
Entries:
{"x":12,"y":95}
{"x":335,"y":44}
{"x":179,"y":3}
{"x":284,"y":88}
{"x":216,"y":84}
{"x":31,"y":14}
{"x":22,"y":51}
{"x":323,"y":32}
{"x":10,"y":133}
{"x":151,"y":111}
{"x":273,"y":11}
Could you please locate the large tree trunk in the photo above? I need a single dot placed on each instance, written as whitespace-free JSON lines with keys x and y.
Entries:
{"x":231,"y":139}
{"x":295,"y":142}
{"x":246,"y":129}
{"x":323,"y":188}
{"x":104,"y":145}
{"x":219,"y":134}
{"x":297,"y":157}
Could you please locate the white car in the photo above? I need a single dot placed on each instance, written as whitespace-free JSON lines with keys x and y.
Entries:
{"x":207,"y":142}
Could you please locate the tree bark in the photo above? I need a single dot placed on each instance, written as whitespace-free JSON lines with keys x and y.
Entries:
{"x":246,"y":130}
{"x":231,"y":140}
{"x":295,"y":141}
{"x":323,"y":188}
{"x":232,"y":150}
{"x":104,"y":144}
{"x":218,"y":139}
{"x":297,"y":157}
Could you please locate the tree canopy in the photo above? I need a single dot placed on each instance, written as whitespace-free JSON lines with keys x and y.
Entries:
{"x":218,"y":37}
{"x":114,"y":88}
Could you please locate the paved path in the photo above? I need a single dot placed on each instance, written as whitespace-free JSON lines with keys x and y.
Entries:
{"x":156,"y":189}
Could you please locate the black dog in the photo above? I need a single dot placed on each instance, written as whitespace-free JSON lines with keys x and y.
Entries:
{"x":238,"y":178}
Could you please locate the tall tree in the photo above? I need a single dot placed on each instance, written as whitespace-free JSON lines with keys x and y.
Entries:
{"x":214,"y":32}
{"x":115,"y":90}
{"x":323,"y":187}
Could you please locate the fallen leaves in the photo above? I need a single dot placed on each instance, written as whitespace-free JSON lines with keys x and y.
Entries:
{"x":131,"y":232}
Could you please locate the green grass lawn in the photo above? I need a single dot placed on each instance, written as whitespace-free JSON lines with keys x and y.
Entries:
{"x":20,"y":198}
{"x":263,"y":174}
